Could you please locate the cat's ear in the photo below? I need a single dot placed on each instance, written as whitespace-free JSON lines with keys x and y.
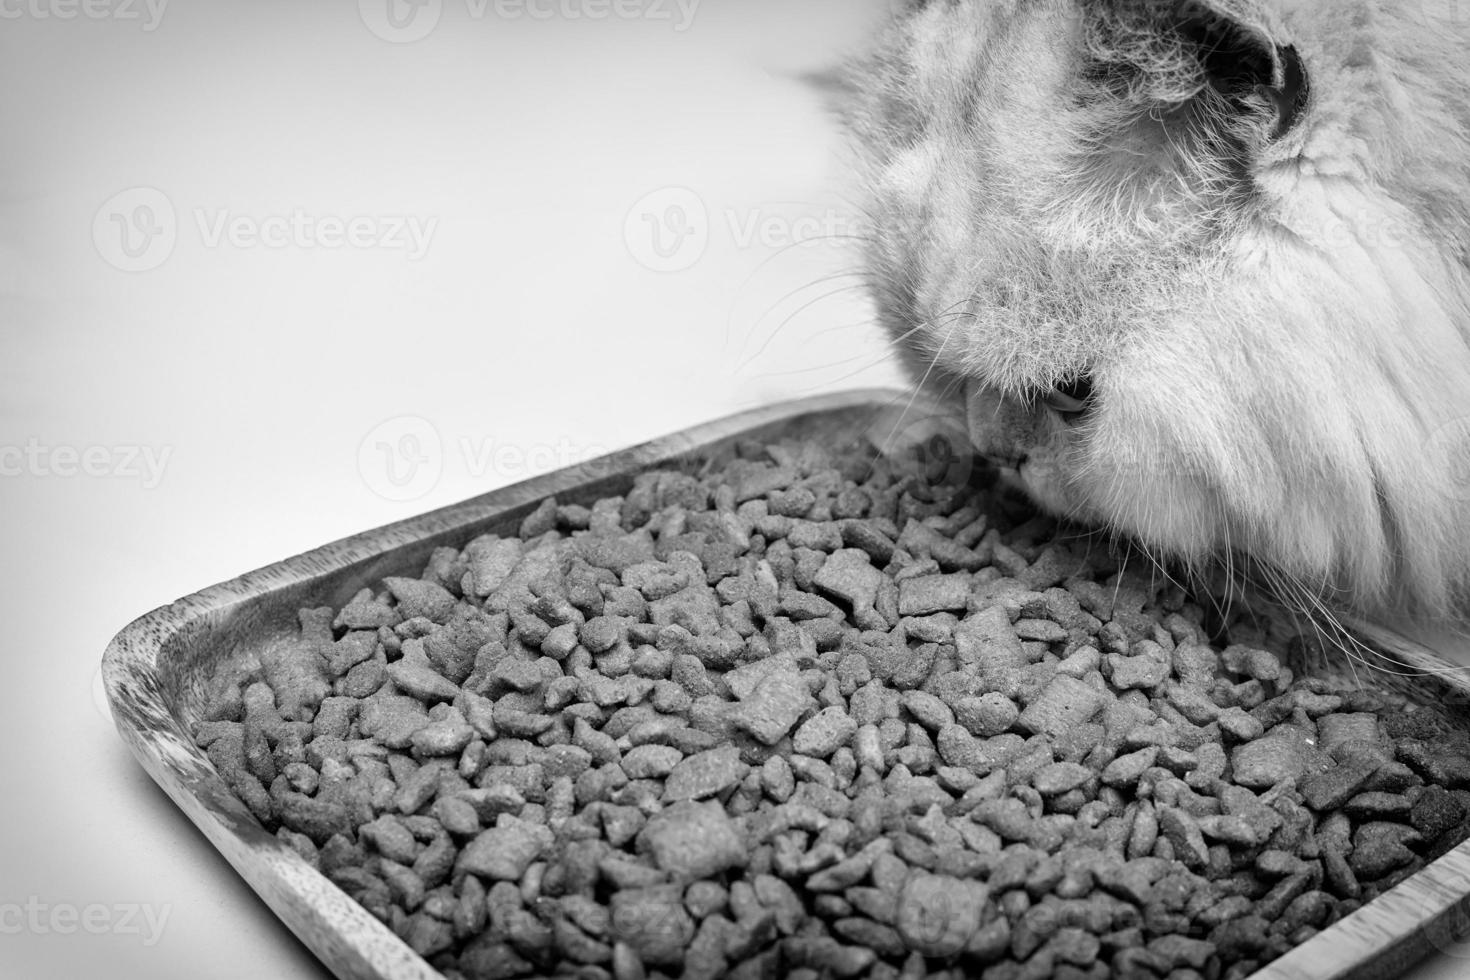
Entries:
{"x":1244,"y":58}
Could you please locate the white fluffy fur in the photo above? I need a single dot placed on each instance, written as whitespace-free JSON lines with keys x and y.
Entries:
{"x":1278,"y":331}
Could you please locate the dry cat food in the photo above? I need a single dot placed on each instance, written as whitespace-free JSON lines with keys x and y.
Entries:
{"x":812,"y":714}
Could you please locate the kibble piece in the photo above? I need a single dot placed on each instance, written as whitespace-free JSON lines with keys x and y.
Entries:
{"x":693,"y":840}
{"x":824,"y":733}
{"x":1060,"y":777}
{"x":1145,"y":667}
{"x":1125,"y":770}
{"x":1240,"y":725}
{"x":334,"y":717}
{"x":505,"y":851}
{"x":1436,"y":812}
{"x":849,"y":575}
{"x":1270,"y":760}
{"x":419,"y":598}
{"x":297,"y":673}
{"x":515,"y":674}
{"x":773,"y":708}
{"x":489,"y":561}
{"x":929,"y":710}
{"x":448,"y":736}
{"x":1260,"y":664}
{"x":987,"y":715}
{"x":393,"y":720}
{"x":937,"y":914}
{"x":457,"y":815}
{"x":650,"y":761}
{"x":415,"y":676}
{"x":988,"y":640}
{"x":392,"y":839}
{"x":1064,"y":703}
{"x":929,"y":594}
{"x":1329,"y":790}
{"x":1181,"y":951}
{"x":653,"y":923}
{"x":1371,"y":806}
{"x":848,"y":872}
{"x":1183,"y":833}
{"x":826,"y":956}
{"x":705,"y":774}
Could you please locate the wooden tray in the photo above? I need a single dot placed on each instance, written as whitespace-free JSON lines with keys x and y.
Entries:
{"x":159,"y":669}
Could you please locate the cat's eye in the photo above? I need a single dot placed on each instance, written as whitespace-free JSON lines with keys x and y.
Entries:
{"x":1070,"y":398}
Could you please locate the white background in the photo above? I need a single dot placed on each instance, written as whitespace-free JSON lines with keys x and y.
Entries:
{"x":292,"y":392}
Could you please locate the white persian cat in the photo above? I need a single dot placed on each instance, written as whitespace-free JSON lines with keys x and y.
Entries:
{"x":1200,"y":271}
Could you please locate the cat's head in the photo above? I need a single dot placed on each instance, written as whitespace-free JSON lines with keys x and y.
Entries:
{"x":1198,"y":268}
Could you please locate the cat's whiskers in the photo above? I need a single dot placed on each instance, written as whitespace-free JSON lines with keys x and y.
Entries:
{"x":1160,"y":568}
{"x":1290,"y":596}
{"x":778,"y":253}
{"x":1332,"y":631}
{"x":890,"y":351}
{"x":1122,"y":573}
{"x":1329,"y":630}
{"x":826,"y":366}
{"x":863,"y":284}
{"x":950,"y":313}
{"x":825,"y":385}
{"x":953,"y":388}
{"x":1229,"y":554}
{"x":838,"y":328}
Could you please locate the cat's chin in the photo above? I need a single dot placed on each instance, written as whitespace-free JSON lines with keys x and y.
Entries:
{"x":1035,"y":481}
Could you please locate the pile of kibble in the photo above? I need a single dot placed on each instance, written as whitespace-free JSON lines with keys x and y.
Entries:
{"x":812,"y":714}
